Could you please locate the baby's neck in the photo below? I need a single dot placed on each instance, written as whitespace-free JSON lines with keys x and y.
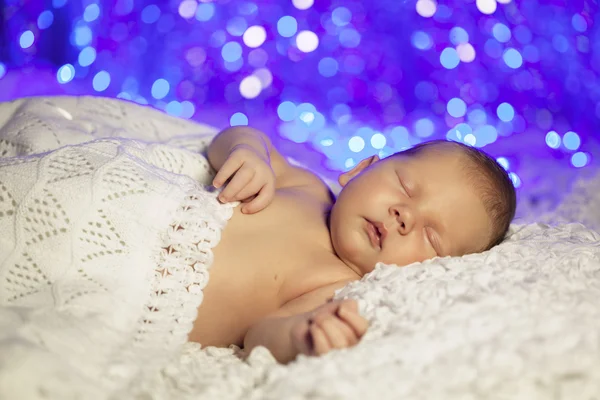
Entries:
{"x":354,"y":272}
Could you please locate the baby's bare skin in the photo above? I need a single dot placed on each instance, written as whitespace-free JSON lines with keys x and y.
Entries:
{"x":266,"y":260}
{"x":281,"y":257}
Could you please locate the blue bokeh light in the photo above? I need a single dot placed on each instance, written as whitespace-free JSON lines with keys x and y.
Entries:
{"x":205,"y":11}
{"x":218,"y":38}
{"x":459,"y":132}
{"x":87,"y":56}
{"x":328,"y":67}
{"x":513,"y":58}
{"x":522,"y":34}
{"x":91,"y":13}
{"x":174,"y":108}
{"x":456,"y":107}
{"x":501,"y":32}
{"x":421,"y":40}
{"x":286,"y":111}
{"x":65,"y":74}
{"x":26,"y":39}
{"x":238,"y":119}
{"x":579,"y":23}
{"x":58,"y":3}
{"x":493,"y":48}
{"x":231,"y":51}
{"x":101,"y":81}
{"x":485,"y":135}
{"x":2,"y":70}
{"x":424,"y":127}
{"x":150,"y":14}
{"x":341,"y":16}
{"x":553,"y":140}
{"x":477,"y":116}
{"x":505,"y":112}
{"x":449,"y":58}
{"x":571,"y":140}
{"x":560,"y":43}
{"x":45,"y":19}
{"x":160,"y":89}
{"x":236,"y":26}
{"x":458,"y":35}
{"x":579,"y":159}
{"x":350,"y":38}
{"x":287,"y":26}
{"x":82,"y":35}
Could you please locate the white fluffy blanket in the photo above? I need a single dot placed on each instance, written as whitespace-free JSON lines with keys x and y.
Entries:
{"x":518,"y":322}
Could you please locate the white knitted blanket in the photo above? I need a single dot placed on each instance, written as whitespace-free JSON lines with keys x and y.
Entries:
{"x":98,"y":285}
{"x":517,"y":322}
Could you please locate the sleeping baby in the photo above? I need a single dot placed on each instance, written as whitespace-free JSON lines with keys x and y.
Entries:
{"x":291,"y":244}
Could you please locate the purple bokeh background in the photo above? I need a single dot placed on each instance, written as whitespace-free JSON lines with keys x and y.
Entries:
{"x":520,"y":79}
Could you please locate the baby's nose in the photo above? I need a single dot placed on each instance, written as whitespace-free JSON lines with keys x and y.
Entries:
{"x":405,"y":218}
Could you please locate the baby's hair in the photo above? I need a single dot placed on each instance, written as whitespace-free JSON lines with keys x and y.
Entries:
{"x":490,"y":179}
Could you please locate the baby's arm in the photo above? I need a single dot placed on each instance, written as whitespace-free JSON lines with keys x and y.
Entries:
{"x":288,"y":332}
{"x":251,"y":168}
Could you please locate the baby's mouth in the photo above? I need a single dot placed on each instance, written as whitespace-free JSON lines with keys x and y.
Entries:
{"x":374,"y":234}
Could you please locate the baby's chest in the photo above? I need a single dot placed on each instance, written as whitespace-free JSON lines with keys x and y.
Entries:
{"x":271,"y":252}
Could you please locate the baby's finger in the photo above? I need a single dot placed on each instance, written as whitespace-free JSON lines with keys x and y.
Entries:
{"x":253,"y":187}
{"x":264,"y":198}
{"x":229,"y":167}
{"x":320,"y":342}
{"x":239,"y":181}
{"x":333,"y":329}
{"x":358,"y":324}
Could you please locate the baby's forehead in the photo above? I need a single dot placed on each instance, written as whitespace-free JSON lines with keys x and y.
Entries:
{"x":438,"y":157}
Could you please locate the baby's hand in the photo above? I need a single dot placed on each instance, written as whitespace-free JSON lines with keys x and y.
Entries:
{"x":333,"y":325}
{"x":251,"y":179}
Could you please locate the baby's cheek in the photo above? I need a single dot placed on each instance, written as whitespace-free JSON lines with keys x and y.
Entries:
{"x":407,"y":252}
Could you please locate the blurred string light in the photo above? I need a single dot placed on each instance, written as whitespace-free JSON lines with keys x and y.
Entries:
{"x":45,"y":19}
{"x":349,"y":78}
{"x":26,"y":39}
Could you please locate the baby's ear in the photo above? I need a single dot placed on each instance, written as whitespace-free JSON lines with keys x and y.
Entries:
{"x":344,"y":178}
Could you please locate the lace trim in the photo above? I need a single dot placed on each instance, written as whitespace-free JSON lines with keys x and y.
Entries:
{"x":176,"y":284}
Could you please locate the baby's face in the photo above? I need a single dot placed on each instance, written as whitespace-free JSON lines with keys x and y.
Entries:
{"x":406,"y":209}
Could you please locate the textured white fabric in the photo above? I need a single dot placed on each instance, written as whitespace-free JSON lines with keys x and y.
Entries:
{"x":98,"y":284}
{"x":517,"y":322}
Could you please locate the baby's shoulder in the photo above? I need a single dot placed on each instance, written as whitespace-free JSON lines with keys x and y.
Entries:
{"x":288,"y":175}
{"x":307,"y":182}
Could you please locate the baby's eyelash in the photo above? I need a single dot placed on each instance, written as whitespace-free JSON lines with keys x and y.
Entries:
{"x":404,"y":188}
{"x":430,"y":241}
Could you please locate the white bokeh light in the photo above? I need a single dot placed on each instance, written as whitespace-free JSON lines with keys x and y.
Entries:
{"x":303,"y":4}
{"x":487,"y":6}
{"x":426,"y":8}
{"x":307,"y":41}
{"x":470,"y":139}
{"x":255,"y":36}
{"x":503,"y":1}
{"x":378,"y":141}
{"x":466,"y":52}
{"x":250,"y":87}
{"x":356,"y":144}
{"x":187,"y":9}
